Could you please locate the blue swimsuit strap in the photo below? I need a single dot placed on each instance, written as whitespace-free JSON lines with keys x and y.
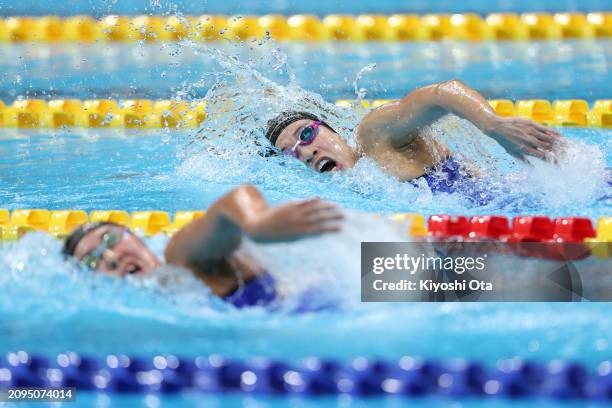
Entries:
{"x":258,"y":291}
{"x":445,"y":176}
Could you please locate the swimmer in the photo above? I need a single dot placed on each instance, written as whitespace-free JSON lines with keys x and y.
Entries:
{"x":393,"y":136}
{"x":210,"y":246}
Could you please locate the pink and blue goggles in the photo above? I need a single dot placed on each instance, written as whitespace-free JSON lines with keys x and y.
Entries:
{"x":306,"y":137}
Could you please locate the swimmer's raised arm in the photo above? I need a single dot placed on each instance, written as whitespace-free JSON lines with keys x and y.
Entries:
{"x":398,"y":123}
{"x":212,"y":238}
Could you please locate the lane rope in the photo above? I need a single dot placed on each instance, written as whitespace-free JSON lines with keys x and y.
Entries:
{"x":564,"y":238}
{"x":180,"y":114}
{"x":335,"y":27}
{"x":411,"y":377}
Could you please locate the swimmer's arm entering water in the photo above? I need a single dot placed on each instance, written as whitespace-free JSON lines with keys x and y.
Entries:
{"x":398,"y":123}
{"x":211,"y":239}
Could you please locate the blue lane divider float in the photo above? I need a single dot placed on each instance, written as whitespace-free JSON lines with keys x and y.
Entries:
{"x":514,"y":378}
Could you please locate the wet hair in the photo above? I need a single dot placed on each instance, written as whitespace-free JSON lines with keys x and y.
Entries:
{"x":79,"y":233}
{"x":279,"y":123}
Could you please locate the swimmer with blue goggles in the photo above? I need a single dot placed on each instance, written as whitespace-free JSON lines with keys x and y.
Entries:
{"x":210,"y":246}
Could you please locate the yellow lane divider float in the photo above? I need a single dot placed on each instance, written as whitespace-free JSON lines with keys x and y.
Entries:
{"x":100,"y":113}
{"x":148,"y":114}
{"x":60,"y":223}
{"x":572,"y":112}
{"x":368,"y":27}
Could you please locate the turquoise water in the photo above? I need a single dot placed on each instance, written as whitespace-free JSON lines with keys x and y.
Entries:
{"x":47,"y":306}
{"x":102,"y":169}
{"x":103,"y":7}
{"x":514,"y":70}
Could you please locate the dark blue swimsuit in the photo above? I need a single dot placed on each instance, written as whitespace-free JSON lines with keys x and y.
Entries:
{"x":258,"y":291}
{"x":450,"y":177}
{"x":445,"y":177}
{"x":261,"y":291}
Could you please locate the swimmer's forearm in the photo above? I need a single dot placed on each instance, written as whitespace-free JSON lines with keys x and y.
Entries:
{"x":458,"y":98}
{"x":399,"y":122}
{"x":215,"y":236}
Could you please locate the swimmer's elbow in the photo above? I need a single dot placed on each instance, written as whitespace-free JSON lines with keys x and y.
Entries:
{"x":242,"y":192}
{"x":452,"y":87}
{"x":436,"y":95}
{"x":457,"y":83}
{"x":238,"y":206}
{"x":246,"y":189}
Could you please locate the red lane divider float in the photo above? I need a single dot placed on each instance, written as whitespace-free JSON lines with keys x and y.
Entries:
{"x":560,"y":239}
{"x":573,"y":229}
{"x":446,"y":226}
{"x":488,"y":226}
{"x":531,"y":229}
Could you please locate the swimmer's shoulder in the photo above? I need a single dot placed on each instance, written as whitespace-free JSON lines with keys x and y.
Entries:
{"x":377,"y":134}
{"x":371,"y":131}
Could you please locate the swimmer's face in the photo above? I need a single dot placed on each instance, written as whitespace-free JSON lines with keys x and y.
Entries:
{"x":123,"y":252}
{"x":328,"y":152}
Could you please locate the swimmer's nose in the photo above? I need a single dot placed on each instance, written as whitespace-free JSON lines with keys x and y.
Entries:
{"x":309,"y":155}
{"x":115,"y":255}
{"x":111,"y":259}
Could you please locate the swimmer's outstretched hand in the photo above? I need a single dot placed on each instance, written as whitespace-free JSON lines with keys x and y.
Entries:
{"x":521,"y":137}
{"x":294,"y":220}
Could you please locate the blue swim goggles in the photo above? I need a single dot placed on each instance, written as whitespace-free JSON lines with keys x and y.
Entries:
{"x":110,"y":240}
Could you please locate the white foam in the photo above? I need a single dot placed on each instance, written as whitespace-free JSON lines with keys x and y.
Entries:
{"x":578,"y":178}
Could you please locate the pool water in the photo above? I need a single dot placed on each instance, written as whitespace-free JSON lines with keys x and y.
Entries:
{"x":513,"y":70}
{"x":137,"y":170}
{"x":48,"y":306}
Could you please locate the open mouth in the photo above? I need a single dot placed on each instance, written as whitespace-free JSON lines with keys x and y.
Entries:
{"x":325,"y":165}
{"x":133,"y":270}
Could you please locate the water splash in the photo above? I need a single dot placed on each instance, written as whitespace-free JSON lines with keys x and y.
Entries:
{"x":38,"y":282}
{"x":45,"y":296}
{"x":44,"y":286}
{"x":580,"y":178}
{"x":255,"y":83}
{"x":361,"y":93}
